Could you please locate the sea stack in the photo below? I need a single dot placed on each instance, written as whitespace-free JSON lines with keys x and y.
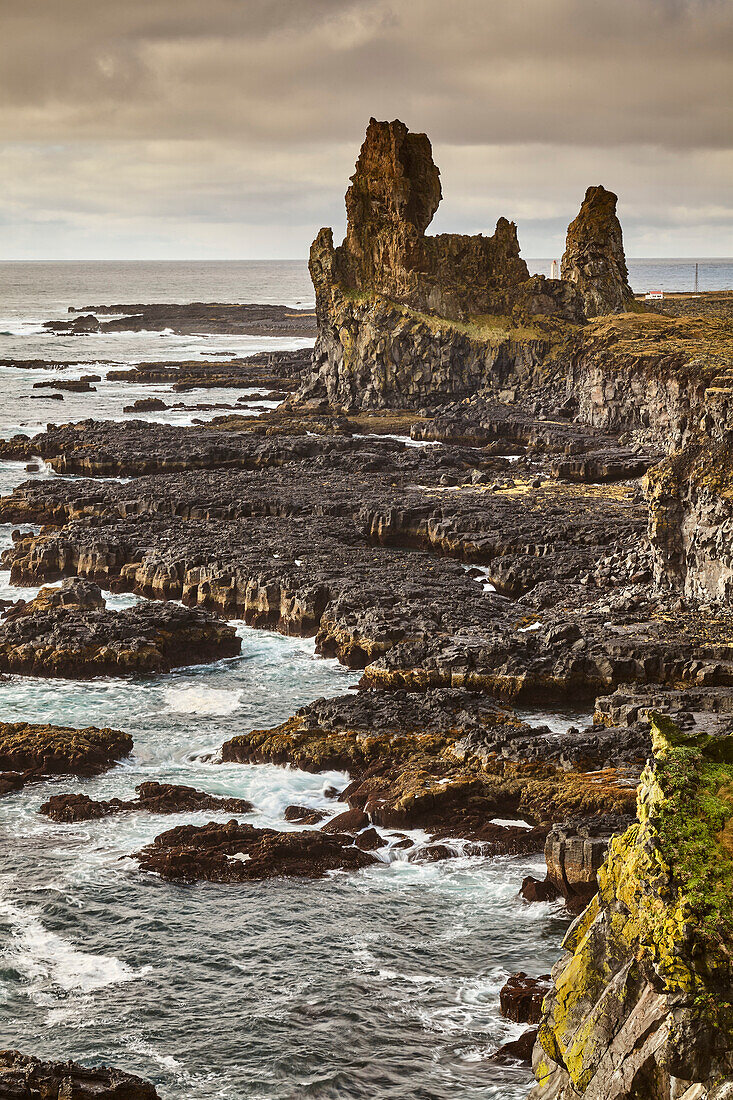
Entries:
{"x":594,"y":255}
{"x":405,"y":318}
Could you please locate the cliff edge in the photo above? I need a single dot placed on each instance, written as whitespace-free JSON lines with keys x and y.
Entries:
{"x":642,"y":1003}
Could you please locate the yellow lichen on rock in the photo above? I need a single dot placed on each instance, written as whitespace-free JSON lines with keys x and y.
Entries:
{"x":643,"y":1001}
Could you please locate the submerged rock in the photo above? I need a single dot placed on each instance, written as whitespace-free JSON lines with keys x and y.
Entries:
{"x":155,"y":798}
{"x":23,"y":1077}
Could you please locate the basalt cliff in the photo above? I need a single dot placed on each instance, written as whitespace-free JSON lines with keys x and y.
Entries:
{"x":642,"y":1003}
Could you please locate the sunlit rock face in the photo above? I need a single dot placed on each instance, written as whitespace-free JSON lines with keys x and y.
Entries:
{"x":594,"y":258}
{"x":393,"y":196}
{"x":404,"y":317}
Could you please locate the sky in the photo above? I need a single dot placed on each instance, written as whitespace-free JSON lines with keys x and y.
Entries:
{"x":227,"y":129}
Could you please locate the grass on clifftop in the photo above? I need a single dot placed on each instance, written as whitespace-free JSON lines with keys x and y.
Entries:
{"x":487,"y":328}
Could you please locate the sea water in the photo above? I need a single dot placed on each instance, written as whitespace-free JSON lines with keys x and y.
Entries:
{"x":377,"y":984}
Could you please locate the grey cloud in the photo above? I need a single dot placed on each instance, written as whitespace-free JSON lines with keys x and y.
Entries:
{"x":575,"y":71}
{"x":168,"y":121}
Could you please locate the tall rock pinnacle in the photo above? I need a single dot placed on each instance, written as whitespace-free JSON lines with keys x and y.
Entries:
{"x":594,"y":255}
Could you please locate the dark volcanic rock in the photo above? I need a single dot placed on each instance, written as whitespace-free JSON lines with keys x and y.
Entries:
{"x":23,"y":1077}
{"x":518,"y":1050}
{"x":194,"y":317}
{"x":436,"y":760}
{"x":275,"y":370}
{"x":350,"y":821}
{"x":533,"y":889}
{"x":49,"y":640}
{"x":146,"y":404}
{"x":155,"y":798}
{"x":30,"y":751}
{"x":389,"y":297}
{"x":305,"y":815}
{"x":242,"y":853}
{"x":73,"y":385}
{"x":573,"y":853}
{"x":394,"y":193}
{"x":521,"y":997}
{"x":74,"y":594}
{"x":594,"y":255}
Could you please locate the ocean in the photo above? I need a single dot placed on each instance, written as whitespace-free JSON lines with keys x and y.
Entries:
{"x":382,"y":984}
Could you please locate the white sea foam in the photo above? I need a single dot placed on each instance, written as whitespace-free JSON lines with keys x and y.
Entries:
{"x":481,"y":574}
{"x":48,"y":962}
{"x":197,"y":699}
{"x":406,"y":439}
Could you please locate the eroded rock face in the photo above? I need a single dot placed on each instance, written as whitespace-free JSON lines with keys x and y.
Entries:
{"x":521,"y":997}
{"x":393,"y":196}
{"x":691,"y":520}
{"x":75,"y":594}
{"x":642,"y":1003}
{"x":23,"y":1077}
{"x":379,"y":295}
{"x":594,"y":255}
{"x":574,"y":854}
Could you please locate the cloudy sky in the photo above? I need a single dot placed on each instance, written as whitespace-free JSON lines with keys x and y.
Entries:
{"x":228,"y":128}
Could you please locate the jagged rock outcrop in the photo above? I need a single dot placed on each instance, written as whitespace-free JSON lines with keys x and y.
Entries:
{"x":642,"y":1004}
{"x":448,"y":761}
{"x":573,"y":854}
{"x":404,"y":317}
{"x":23,"y":1077}
{"x":594,"y":255}
{"x":393,"y":196}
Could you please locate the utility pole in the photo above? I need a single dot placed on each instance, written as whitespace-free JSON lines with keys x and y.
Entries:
{"x":696,"y":279}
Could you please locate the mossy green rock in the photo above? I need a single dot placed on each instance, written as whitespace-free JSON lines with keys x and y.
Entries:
{"x":29,"y":751}
{"x":642,"y":1004}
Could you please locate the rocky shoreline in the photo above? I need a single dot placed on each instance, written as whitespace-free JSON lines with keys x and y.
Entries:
{"x":485,"y":492}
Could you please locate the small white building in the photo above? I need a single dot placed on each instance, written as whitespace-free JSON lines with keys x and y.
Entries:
{"x":654,"y":296}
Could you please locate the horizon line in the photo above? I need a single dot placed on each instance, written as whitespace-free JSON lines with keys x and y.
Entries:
{"x":288,"y":259}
